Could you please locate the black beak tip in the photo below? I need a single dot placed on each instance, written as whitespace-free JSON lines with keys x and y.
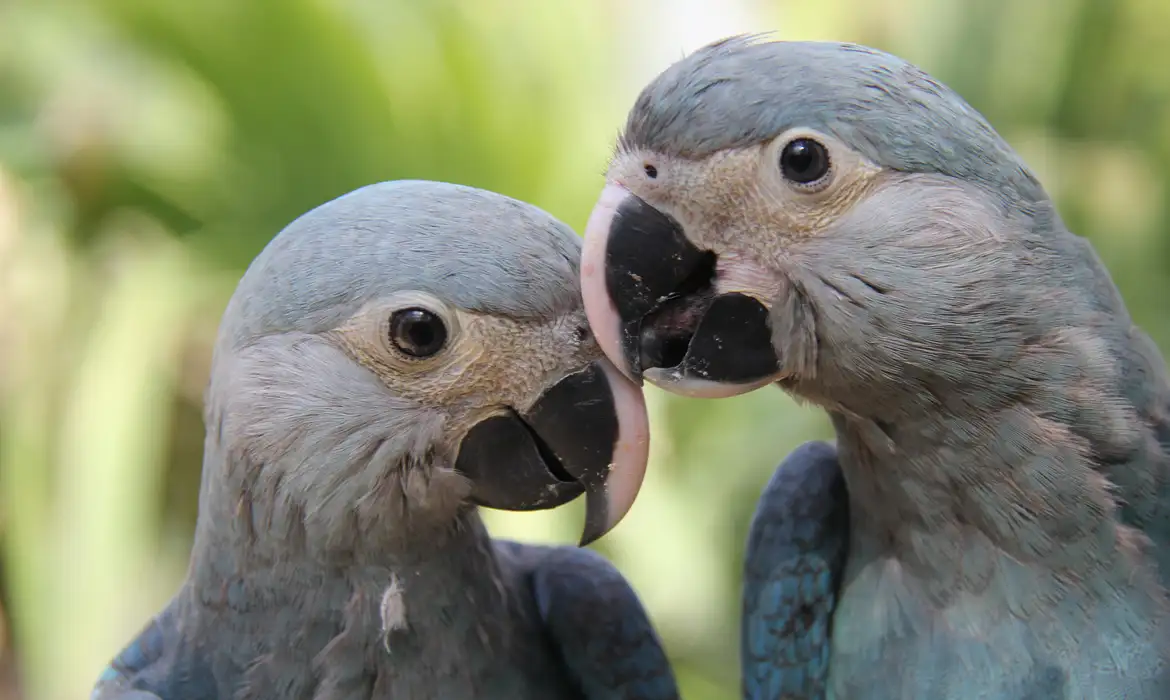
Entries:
{"x":597,"y":522}
{"x":588,"y":538}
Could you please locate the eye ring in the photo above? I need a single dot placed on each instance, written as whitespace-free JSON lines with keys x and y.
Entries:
{"x":805,"y":162}
{"x":417,"y":332}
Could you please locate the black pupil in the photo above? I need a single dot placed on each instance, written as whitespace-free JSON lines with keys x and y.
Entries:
{"x":418,"y":332}
{"x":804,"y":161}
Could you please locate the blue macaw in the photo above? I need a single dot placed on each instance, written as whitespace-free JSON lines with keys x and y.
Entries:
{"x":392,"y":359}
{"x":993,"y":520}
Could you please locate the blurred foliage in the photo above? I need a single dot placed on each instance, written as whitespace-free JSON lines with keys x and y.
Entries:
{"x":150,"y":148}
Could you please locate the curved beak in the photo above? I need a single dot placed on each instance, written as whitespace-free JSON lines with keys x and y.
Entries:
{"x":588,"y":433}
{"x":652,"y":299}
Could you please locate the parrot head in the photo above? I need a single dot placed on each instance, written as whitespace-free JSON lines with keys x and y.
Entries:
{"x":411,"y":348}
{"x":778,"y":211}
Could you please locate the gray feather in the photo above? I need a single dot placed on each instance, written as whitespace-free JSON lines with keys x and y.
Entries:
{"x":739,"y":92}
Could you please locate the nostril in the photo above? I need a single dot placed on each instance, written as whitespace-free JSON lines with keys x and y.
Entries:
{"x":582,"y":333}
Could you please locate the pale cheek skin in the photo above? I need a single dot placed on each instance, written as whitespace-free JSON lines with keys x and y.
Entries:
{"x":737,"y":274}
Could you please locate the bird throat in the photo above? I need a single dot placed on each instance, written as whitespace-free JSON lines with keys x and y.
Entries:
{"x":946,"y":510}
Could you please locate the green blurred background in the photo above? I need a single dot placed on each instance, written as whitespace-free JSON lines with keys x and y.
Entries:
{"x":150,"y":148}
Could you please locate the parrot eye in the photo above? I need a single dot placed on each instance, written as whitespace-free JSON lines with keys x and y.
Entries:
{"x":804,"y":161}
{"x":417,"y":332}
{"x":650,"y":170}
